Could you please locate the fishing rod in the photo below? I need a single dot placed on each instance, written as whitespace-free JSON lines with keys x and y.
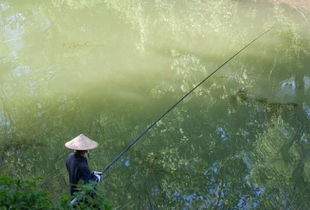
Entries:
{"x":149,"y":127}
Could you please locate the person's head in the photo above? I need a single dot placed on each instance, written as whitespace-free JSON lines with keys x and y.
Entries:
{"x":81,"y":144}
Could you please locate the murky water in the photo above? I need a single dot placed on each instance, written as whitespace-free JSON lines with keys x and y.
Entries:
{"x":109,"y":68}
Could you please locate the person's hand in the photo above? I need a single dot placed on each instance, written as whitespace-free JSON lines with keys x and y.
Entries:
{"x":98,"y":174}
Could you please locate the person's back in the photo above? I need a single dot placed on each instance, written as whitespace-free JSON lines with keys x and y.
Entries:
{"x":78,"y":170}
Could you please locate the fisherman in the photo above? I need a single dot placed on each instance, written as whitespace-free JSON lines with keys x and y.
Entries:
{"x":77,"y":165}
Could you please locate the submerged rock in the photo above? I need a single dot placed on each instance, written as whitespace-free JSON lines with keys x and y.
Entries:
{"x":242,"y":96}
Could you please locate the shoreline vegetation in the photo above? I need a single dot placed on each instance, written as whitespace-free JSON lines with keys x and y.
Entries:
{"x":27,"y":194}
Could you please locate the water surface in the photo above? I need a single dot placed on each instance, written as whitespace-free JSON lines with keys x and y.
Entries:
{"x":109,"y":68}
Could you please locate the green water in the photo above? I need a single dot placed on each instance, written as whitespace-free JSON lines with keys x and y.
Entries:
{"x":110,"y":68}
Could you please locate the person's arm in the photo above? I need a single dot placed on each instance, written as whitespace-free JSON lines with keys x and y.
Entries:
{"x":86,"y":175}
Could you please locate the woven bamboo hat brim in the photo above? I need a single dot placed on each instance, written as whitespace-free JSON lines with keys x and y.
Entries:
{"x":81,"y":142}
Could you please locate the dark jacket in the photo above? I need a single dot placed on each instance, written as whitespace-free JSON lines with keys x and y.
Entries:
{"x":78,"y":169}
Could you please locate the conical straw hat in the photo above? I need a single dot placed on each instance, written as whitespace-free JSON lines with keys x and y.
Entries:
{"x":81,"y":142}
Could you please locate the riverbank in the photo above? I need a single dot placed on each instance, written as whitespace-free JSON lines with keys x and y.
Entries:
{"x":297,"y":4}
{"x":301,"y":6}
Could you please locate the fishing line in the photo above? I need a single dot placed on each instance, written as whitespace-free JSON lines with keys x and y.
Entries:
{"x":133,"y":142}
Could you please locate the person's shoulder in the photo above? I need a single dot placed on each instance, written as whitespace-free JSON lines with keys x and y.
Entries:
{"x":77,"y":157}
{"x":70,"y":156}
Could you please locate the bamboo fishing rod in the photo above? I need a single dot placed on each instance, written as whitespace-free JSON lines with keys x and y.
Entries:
{"x":149,"y":127}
